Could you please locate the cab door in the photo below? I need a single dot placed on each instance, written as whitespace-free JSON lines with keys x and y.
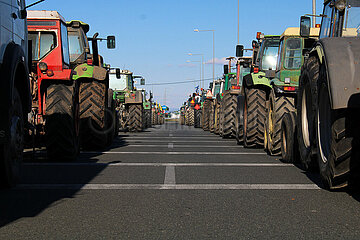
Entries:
{"x":6,"y":23}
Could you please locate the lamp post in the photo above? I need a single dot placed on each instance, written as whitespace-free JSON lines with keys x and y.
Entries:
{"x":200,"y":70}
{"x":314,"y":12}
{"x":202,"y":65}
{"x":213,"y":31}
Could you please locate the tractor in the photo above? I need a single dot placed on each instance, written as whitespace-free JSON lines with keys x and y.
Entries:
{"x":257,"y":87}
{"x":97,"y":108}
{"x":328,"y":98}
{"x":147,"y":105}
{"x":54,"y":119}
{"x":129,"y":101}
{"x":285,"y":84}
{"x":209,"y":106}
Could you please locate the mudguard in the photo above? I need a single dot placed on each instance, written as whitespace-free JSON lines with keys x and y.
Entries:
{"x":342,"y":59}
{"x":134,"y":97}
{"x":254,"y":79}
{"x":88,"y":71}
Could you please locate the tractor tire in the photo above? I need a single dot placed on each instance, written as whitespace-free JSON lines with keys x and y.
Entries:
{"x":197,"y":118}
{"x":148,"y":118}
{"x":206,"y":115}
{"x":182,"y":119}
{"x":62,"y":122}
{"x":217,"y":118}
{"x":153,"y":117}
{"x":306,"y":109}
{"x":277,"y":108}
{"x":289,"y":146}
{"x":221,"y":118}
{"x":229,"y":116}
{"x":212,"y":118}
{"x":135,"y":118}
{"x":11,"y":153}
{"x":191,"y":116}
{"x":337,"y":139}
{"x":254,"y":117}
{"x":94,"y":115}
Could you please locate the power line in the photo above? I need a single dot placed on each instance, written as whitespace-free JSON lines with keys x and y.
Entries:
{"x":173,"y":83}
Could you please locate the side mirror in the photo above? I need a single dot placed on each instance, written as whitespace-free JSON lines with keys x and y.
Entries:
{"x":255,"y":44}
{"x":239,"y":51}
{"x":142,"y":81}
{"x":110,"y":42}
{"x":226,"y":69}
{"x":305,"y":25}
{"x":118,"y":73}
{"x":23,"y":14}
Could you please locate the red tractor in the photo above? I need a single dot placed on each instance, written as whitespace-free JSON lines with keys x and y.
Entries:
{"x":55,"y":96}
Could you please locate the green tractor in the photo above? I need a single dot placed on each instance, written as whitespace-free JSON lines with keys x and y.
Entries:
{"x":209,"y":105}
{"x":228,"y":105}
{"x":129,"y":101}
{"x":285,"y":84}
{"x":97,"y":112}
{"x":147,"y":105}
{"x":218,"y":97}
{"x":257,"y":87}
{"x":328,"y":98}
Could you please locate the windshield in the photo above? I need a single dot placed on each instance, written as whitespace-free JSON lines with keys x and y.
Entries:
{"x":76,"y":46}
{"x":270,"y":54}
{"x":120,"y":84}
{"x":352,"y":18}
{"x":42,"y":44}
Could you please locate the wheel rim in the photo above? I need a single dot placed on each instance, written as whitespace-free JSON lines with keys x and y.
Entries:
{"x":324,"y":124}
{"x":304,"y":120}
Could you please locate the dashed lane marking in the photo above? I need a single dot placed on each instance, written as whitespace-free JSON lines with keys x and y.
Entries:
{"x":170,"y":146}
{"x":168,"y":187}
{"x":165,"y":164}
{"x":169,"y":175}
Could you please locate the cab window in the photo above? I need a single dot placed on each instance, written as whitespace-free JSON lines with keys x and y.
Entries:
{"x":292,"y":53}
{"x":42,"y":44}
{"x":65,"y":44}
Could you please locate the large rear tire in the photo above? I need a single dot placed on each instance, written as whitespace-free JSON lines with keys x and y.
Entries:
{"x":217,"y":118}
{"x":135,"y":118}
{"x":212,"y":117}
{"x":277,"y":108}
{"x":11,"y":153}
{"x":337,"y":139}
{"x":62,"y":121}
{"x":229,"y":116}
{"x":94,"y":116}
{"x":254,"y":117}
{"x":306,"y":109}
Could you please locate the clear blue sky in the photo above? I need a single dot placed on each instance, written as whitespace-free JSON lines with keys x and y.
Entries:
{"x":154,"y":37}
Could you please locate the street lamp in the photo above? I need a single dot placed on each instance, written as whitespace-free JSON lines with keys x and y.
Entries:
{"x":202,"y":64}
{"x":213,"y":31}
{"x":188,"y":61}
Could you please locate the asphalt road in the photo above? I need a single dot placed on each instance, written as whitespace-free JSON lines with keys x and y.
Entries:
{"x":175,"y":182}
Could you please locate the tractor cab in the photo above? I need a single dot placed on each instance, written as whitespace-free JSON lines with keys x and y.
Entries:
{"x":291,"y":58}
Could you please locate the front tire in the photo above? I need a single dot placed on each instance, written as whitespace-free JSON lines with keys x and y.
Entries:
{"x":135,"y":118}
{"x":229,"y":116}
{"x":289,"y":146}
{"x":62,"y":122}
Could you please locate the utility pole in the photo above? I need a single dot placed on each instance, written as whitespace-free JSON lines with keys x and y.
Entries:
{"x":165,"y":97}
{"x":314,"y":13}
{"x":238,"y":37}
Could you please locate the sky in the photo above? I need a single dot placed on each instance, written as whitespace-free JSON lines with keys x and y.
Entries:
{"x":153,"y":38}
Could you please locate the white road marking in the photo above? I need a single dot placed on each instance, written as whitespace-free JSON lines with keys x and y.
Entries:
{"x":165,"y":164}
{"x":181,"y":153}
{"x":170,"y":145}
{"x":168,"y":187}
{"x":169,"y":175}
{"x":170,"y":136}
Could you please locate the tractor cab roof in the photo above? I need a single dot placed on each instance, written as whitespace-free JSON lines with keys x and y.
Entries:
{"x":45,"y":15}
{"x":77,"y":24}
{"x":295,"y":32}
